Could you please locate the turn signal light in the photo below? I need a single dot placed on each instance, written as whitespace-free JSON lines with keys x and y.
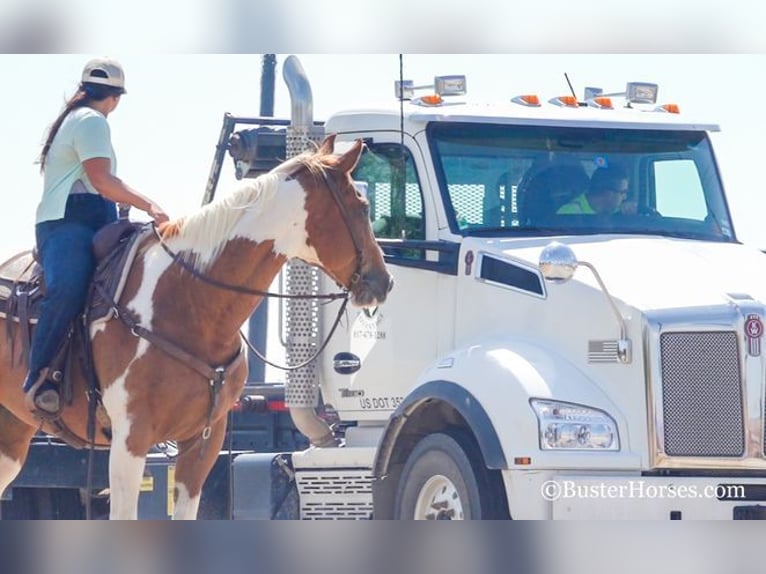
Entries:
{"x":566,"y":101}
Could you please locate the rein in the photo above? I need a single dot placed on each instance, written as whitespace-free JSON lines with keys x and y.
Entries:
{"x":216,"y":375}
{"x":181,"y":262}
{"x":355,"y":277}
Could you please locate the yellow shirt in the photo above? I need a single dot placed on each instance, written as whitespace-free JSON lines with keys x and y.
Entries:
{"x":578,"y":205}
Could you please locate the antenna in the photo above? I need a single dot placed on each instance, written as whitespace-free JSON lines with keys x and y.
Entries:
{"x":571,"y":89}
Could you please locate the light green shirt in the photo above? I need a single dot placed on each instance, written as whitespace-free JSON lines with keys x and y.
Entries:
{"x":84,"y":134}
{"x":578,"y":205}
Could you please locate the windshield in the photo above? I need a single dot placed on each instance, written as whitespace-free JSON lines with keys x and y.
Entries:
{"x":499,"y":179}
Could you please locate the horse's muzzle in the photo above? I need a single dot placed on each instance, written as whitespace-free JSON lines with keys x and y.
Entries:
{"x":372,"y":289}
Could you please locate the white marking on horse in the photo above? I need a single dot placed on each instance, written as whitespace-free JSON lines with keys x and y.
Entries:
{"x":9,"y":469}
{"x":97,"y":328}
{"x":186,"y":507}
{"x":125,"y":468}
{"x":269,"y":207}
{"x":284,"y":222}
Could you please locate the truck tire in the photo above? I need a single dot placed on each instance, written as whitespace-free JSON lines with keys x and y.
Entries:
{"x":439,"y":482}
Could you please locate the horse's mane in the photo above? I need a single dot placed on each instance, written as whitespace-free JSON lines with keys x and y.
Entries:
{"x":199,"y":237}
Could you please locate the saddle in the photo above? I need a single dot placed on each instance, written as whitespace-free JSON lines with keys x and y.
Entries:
{"x":22,"y":287}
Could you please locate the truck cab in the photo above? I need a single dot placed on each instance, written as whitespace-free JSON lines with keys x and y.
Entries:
{"x":539,"y":360}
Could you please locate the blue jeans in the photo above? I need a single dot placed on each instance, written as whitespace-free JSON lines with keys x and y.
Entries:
{"x":65,"y":251}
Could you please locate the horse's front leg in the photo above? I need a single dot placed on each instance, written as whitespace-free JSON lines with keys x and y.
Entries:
{"x":196,"y":458}
{"x":15,"y":436}
{"x":127,"y":458}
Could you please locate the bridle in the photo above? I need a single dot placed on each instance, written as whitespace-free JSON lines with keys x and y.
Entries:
{"x":355,"y":276}
{"x":344,"y":294}
{"x":216,"y":375}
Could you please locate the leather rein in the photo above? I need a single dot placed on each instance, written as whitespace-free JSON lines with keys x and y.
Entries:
{"x":217,"y":374}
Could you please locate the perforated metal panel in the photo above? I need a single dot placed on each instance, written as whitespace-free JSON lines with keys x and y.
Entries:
{"x":701,"y":394}
{"x":381,"y":193}
{"x":335,"y":495}
{"x":468,"y":201}
{"x":302,"y":315}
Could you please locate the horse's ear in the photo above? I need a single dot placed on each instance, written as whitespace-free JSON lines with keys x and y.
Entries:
{"x":327,"y":145}
{"x":347,"y":162}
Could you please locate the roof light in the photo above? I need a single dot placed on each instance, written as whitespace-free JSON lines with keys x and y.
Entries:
{"x":669,"y":108}
{"x":641,"y":92}
{"x":527,"y":100}
{"x":591,"y":92}
{"x":404,"y":90}
{"x":450,"y":85}
{"x":601,"y":102}
{"x":566,"y":101}
{"x":443,"y":86}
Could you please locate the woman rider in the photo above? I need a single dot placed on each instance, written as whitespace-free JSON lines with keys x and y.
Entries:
{"x":80,"y":193}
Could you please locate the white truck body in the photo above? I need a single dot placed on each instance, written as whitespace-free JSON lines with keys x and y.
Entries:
{"x":473,"y":334}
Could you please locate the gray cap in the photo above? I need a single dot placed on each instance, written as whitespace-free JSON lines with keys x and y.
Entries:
{"x":104,"y":71}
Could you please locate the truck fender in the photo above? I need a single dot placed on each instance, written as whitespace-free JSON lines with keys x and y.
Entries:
{"x":463,"y":402}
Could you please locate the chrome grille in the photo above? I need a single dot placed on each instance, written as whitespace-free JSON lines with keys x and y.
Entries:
{"x":701,"y":394}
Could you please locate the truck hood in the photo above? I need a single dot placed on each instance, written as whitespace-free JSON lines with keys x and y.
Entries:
{"x":658,"y":272}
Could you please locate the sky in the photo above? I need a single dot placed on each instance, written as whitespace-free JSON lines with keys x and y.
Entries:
{"x":165,"y":128}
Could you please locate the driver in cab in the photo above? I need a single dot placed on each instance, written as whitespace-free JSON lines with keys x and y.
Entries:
{"x":606,"y":195}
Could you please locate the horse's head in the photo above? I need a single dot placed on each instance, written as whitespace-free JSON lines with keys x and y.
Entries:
{"x":338,"y":224}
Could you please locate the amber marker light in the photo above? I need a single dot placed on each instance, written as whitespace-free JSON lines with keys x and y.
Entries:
{"x":669,"y":108}
{"x":566,"y":101}
{"x":527,"y":100}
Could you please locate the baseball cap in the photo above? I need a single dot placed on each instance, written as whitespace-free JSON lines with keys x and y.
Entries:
{"x":104,"y":71}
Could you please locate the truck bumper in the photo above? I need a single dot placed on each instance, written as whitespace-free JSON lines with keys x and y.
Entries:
{"x":570,"y":496}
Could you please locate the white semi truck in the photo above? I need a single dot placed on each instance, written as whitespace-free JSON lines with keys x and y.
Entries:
{"x":531,"y":362}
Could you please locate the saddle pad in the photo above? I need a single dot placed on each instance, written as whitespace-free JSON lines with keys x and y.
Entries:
{"x":20,"y":268}
{"x":19,"y":271}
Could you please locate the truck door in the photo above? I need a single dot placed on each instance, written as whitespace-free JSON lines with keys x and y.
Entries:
{"x":397,"y":340}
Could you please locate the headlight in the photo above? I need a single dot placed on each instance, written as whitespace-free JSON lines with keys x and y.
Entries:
{"x":566,"y":426}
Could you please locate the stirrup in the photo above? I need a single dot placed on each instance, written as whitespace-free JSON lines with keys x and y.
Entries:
{"x":31,"y":403}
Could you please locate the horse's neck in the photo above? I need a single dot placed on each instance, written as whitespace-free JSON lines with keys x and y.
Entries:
{"x":247,"y":252}
{"x":240,"y":264}
{"x":281,"y":220}
{"x":191,"y":311}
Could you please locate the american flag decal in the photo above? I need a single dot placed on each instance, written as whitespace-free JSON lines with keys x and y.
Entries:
{"x":602,"y":352}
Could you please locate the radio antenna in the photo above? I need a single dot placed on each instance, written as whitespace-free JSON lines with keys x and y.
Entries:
{"x":571,"y":89}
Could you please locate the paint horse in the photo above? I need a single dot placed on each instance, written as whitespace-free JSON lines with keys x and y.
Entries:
{"x":306,"y":208}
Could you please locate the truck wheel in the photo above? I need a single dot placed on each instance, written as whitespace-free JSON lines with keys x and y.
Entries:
{"x":439,"y":482}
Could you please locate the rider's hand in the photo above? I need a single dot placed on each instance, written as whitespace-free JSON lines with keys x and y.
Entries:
{"x":157,"y":214}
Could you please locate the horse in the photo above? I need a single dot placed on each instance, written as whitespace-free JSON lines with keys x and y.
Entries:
{"x":226,"y":255}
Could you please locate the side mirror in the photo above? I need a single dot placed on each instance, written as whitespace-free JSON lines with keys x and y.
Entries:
{"x":558,"y":262}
